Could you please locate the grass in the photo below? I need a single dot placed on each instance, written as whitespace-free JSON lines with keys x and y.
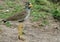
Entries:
{"x":12,"y":7}
{"x":39,"y":11}
{"x":7,"y":24}
{"x":55,"y":11}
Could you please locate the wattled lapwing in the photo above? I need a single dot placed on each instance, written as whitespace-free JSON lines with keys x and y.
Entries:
{"x":21,"y":16}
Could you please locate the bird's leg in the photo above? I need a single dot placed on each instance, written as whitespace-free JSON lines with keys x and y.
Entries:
{"x":20,"y":31}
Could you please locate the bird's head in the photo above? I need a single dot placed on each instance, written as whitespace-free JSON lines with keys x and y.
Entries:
{"x":28,"y":5}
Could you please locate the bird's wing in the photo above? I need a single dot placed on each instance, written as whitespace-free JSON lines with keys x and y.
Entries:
{"x":19,"y":16}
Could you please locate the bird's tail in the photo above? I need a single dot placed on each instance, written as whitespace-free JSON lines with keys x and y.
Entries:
{"x":4,"y":21}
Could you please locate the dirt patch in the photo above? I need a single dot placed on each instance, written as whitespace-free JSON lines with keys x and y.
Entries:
{"x":43,"y":34}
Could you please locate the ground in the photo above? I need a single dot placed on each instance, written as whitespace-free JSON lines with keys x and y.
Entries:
{"x":47,"y":33}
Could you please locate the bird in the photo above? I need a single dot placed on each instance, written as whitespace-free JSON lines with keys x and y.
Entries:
{"x":20,"y":17}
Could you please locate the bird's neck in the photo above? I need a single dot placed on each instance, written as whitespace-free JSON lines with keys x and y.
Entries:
{"x":28,"y":14}
{"x":28,"y":11}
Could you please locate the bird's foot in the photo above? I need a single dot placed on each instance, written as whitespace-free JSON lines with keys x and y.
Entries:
{"x":20,"y":38}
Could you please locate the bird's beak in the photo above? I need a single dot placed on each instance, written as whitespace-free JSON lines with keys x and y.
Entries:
{"x":30,"y":5}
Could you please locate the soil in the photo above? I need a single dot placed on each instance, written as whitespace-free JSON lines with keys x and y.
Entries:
{"x":33,"y":33}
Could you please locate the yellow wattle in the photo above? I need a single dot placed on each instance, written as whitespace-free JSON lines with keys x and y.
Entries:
{"x":30,"y":5}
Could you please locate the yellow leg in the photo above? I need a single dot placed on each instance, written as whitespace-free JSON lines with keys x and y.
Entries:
{"x":20,"y":31}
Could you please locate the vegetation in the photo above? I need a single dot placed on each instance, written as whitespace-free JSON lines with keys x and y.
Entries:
{"x":46,"y":6}
{"x":9,"y":9}
{"x":40,"y":9}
